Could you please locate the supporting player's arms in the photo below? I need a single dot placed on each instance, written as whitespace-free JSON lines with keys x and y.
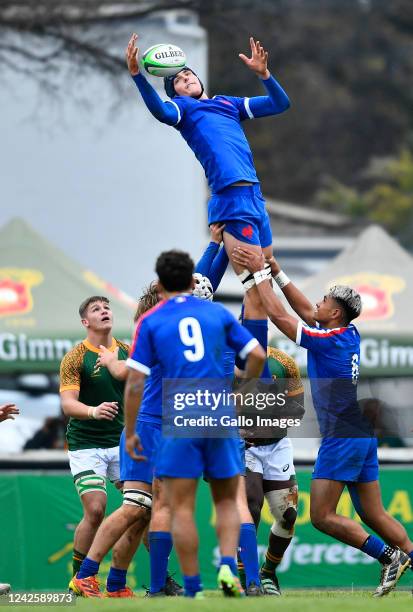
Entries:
{"x":272,"y":305}
{"x":71,"y":406}
{"x":297,"y":300}
{"x":135,"y":383}
{"x":7,"y":411}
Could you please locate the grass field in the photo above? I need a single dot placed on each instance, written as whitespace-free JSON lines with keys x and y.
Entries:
{"x":294,"y":601}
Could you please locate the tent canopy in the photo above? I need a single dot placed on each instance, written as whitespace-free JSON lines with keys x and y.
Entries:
{"x":382,"y":272}
{"x":40,"y":292}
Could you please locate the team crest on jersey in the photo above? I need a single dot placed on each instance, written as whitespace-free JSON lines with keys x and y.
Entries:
{"x":247,"y":231}
{"x":376,"y":291}
{"x":15,"y":290}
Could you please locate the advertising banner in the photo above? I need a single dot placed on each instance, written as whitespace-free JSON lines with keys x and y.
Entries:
{"x":39,"y":513}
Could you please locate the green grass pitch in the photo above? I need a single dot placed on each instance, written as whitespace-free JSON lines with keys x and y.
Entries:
{"x":293,"y":601}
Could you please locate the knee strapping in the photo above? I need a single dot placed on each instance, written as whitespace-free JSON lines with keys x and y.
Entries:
{"x":283,"y":506}
{"x":137,"y":497}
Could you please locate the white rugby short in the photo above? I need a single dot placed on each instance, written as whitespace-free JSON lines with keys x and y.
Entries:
{"x":274,"y":461}
{"x":102,"y":461}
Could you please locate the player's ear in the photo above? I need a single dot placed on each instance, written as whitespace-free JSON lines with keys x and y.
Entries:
{"x":85,"y":322}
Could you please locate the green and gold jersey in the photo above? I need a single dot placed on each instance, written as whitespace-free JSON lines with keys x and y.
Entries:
{"x":283,"y":366}
{"x":78,"y":371}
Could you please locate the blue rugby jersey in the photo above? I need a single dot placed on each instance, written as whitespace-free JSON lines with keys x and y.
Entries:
{"x":188,"y":338}
{"x":333,"y":362}
{"x":212,"y":128}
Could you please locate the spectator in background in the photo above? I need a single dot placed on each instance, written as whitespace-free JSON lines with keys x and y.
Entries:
{"x":48,"y":436}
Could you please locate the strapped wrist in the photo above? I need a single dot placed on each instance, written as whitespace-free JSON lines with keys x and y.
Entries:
{"x":282,"y":279}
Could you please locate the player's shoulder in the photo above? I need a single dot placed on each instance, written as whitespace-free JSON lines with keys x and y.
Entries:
{"x":288,"y":363}
{"x":75,"y":354}
{"x":123,"y":346}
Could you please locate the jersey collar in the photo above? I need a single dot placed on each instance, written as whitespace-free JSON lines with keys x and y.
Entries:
{"x":94,"y":349}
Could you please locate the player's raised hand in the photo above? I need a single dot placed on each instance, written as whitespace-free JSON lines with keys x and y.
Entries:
{"x":106,"y":357}
{"x":131,"y":53}
{"x":7,"y":411}
{"x":133,"y":444}
{"x":258,"y":62}
{"x":106,"y":411}
{"x":216,"y":230}
{"x":248,"y":258}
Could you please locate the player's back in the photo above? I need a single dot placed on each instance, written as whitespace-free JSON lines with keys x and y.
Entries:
{"x":190,"y":337}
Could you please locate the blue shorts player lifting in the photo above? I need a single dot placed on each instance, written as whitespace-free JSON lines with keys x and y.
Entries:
{"x":212,"y":128}
{"x":348,"y":450}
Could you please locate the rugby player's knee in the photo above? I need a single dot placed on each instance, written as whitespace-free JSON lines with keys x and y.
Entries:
{"x":283,"y":506}
{"x":320,"y":520}
{"x":95,"y":513}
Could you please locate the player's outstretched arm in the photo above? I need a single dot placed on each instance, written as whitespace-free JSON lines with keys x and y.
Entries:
{"x":277,"y":100}
{"x":163,"y":111}
{"x":286,"y":323}
{"x":297,"y":300}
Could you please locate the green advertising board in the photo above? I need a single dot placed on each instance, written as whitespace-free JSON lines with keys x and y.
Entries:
{"x":39,"y":513}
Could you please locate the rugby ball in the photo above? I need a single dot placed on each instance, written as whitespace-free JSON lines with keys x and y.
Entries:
{"x":163,"y":60}
{"x":203,"y":287}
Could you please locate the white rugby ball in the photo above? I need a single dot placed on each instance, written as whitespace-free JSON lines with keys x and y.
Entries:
{"x":163,"y":60}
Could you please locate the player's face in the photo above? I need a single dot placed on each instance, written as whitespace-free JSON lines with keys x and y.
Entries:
{"x":325,"y":310}
{"x":99,"y":317}
{"x":187,"y":84}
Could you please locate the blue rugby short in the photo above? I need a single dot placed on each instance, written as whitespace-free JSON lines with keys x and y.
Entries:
{"x":142,"y":471}
{"x":194,"y":457}
{"x":347,"y":460}
{"x":242,"y":209}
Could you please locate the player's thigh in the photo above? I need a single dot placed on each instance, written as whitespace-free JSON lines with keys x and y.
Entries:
{"x":89,"y":471}
{"x":324,"y":497}
{"x":113,"y":465}
{"x":230,"y":242}
{"x":367,"y":500}
{"x":277,"y":461}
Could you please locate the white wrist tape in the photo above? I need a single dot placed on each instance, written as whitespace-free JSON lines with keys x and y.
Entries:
{"x":261,"y":275}
{"x":247,"y":279}
{"x":91,"y":413}
{"x":282,"y":279}
{"x":267,"y":268}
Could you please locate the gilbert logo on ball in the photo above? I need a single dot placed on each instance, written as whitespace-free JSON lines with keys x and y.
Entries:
{"x":163,"y":60}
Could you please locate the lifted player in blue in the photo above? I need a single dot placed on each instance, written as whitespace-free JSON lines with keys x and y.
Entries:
{"x":212,"y":129}
{"x":348,"y":450}
{"x":187,"y":337}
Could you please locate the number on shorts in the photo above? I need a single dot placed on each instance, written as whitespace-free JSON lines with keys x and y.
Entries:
{"x":191,"y":335}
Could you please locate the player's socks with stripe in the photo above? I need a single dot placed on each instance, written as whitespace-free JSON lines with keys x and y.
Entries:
{"x":259,"y":329}
{"x":116,"y":579}
{"x":88,"y":568}
{"x":160,"y":546}
{"x":192,"y":585}
{"x":275,"y":552}
{"x":77,"y":560}
{"x":249,"y":553}
{"x":376,"y":548}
